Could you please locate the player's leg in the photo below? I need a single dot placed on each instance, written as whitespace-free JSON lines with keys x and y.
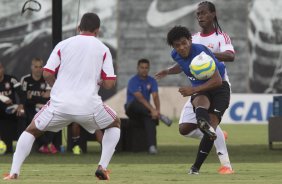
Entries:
{"x":188,"y":123}
{"x":23,"y":149}
{"x":110,"y":139}
{"x":105,"y":118}
{"x":202,"y":104}
{"x":219,"y":105}
{"x":75,"y":136}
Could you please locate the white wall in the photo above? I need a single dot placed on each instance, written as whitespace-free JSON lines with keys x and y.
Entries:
{"x":244,"y":108}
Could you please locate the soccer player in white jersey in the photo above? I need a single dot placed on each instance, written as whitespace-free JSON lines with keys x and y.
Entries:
{"x":219,"y":43}
{"x":82,"y":64}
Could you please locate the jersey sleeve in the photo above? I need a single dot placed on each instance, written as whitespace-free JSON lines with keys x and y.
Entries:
{"x":133,"y":86}
{"x":54,"y":61}
{"x":154,"y":86}
{"x":107,"y":72}
{"x":225,"y":43}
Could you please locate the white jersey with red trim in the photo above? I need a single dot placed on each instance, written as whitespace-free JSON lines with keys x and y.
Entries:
{"x":80,"y":62}
{"x":220,"y":42}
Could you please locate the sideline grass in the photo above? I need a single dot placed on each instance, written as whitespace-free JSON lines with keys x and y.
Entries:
{"x":253,"y":162}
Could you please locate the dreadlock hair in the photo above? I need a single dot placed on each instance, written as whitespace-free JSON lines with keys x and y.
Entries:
{"x":211,"y":8}
{"x":176,"y":33}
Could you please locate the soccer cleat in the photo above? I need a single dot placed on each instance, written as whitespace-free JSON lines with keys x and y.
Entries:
{"x":225,"y":134}
{"x":76,"y":150}
{"x":102,"y":174}
{"x":44,"y":149}
{"x":10,"y":177}
{"x":225,"y":170}
{"x":165,"y":120}
{"x":207,"y":129}
{"x":52,"y":148}
{"x":193,"y":170}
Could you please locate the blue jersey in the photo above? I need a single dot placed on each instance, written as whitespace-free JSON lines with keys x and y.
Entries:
{"x":144,"y":86}
{"x":184,"y":63}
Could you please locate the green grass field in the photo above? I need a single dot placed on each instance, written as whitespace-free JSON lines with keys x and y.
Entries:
{"x":252,"y":161}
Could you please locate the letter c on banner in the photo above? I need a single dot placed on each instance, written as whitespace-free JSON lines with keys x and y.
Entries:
{"x":233,"y":110}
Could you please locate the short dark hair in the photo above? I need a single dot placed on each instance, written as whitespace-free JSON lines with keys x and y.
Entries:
{"x":143,"y":60}
{"x":176,"y":33}
{"x":89,"y":22}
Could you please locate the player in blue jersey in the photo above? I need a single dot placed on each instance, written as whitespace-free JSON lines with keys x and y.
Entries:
{"x":210,"y":98}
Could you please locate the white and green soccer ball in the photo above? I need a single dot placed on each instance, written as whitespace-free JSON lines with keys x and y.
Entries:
{"x":3,"y":147}
{"x":202,"y":66}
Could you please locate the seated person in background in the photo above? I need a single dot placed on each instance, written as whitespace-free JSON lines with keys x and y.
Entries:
{"x":138,"y":106}
{"x":10,"y":111}
{"x":37,"y":93}
{"x":75,"y":130}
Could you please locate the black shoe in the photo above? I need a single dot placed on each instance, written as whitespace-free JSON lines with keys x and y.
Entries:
{"x":207,"y":129}
{"x":193,"y":170}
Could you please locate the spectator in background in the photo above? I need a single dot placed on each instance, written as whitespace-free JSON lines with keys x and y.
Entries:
{"x":10,"y":109}
{"x":37,"y":93}
{"x":138,"y":106}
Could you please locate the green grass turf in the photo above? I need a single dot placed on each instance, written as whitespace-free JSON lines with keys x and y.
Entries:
{"x":252,"y":161}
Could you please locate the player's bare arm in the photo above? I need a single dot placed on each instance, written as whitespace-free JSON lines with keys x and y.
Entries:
{"x":108,"y":84}
{"x":174,"y":69}
{"x":49,"y":77}
{"x":156,"y":100}
{"x":226,"y":56}
{"x":214,"y":82}
{"x":142,"y":100}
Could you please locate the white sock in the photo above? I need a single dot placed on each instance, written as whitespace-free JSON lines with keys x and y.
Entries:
{"x":197,"y":134}
{"x":23,"y":148}
{"x":109,"y":142}
{"x":221,"y":148}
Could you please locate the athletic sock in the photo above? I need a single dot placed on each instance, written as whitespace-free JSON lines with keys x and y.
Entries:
{"x":23,"y":149}
{"x":221,"y":148}
{"x":204,"y":150}
{"x":109,"y":142}
{"x":202,"y":113}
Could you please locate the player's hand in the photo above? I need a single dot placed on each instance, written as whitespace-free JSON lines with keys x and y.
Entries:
{"x":161,"y":74}
{"x":186,"y":91}
{"x":20,"y":110}
{"x":154,"y":114}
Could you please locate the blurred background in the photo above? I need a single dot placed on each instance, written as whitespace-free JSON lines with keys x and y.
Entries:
{"x":135,"y":29}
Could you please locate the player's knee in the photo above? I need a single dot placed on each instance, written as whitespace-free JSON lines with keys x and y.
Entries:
{"x":186,"y":128}
{"x":32,"y":129}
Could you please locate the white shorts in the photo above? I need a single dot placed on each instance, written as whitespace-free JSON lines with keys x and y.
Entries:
{"x":187,"y":114}
{"x":47,"y":119}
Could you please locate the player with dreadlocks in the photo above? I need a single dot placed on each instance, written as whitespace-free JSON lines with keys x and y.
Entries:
{"x":212,"y":36}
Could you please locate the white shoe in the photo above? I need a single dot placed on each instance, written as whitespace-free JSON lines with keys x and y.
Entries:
{"x":153,"y":150}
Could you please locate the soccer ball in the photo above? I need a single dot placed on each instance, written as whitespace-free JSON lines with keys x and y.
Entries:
{"x":202,"y":66}
{"x":3,"y":148}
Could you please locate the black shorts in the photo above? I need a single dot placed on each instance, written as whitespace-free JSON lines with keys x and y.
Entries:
{"x":219,"y":99}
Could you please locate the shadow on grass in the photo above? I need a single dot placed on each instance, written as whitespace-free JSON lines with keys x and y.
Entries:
{"x":167,"y":155}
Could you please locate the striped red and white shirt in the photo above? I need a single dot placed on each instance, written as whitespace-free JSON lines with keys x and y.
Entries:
{"x":80,"y":63}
